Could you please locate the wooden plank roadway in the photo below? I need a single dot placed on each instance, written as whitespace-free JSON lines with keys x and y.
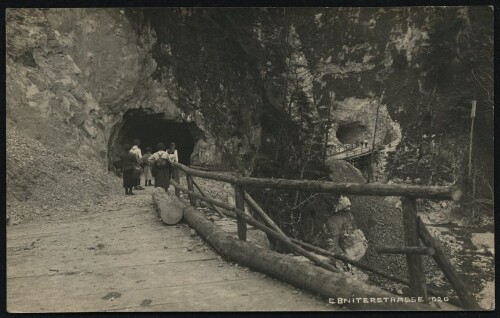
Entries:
{"x":128,"y":260}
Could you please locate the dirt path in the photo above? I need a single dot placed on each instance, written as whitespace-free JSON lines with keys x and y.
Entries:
{"x":124,"y":258}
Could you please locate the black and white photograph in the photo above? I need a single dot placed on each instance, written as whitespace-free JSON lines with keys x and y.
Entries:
{"x":248,"y":159}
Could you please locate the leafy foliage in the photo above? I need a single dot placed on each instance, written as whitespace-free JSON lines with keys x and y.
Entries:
{"x":455,"y":67}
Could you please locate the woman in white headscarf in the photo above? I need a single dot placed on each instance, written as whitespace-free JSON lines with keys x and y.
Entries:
{"x":162,"y":167}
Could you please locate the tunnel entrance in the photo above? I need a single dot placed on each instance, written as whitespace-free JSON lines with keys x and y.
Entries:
{"x":351,"y":133}
{"x":152,"y":128}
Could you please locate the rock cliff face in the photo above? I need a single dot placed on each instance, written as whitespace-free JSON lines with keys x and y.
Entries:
{"x":240,"y":83}
{"x":67,"y":72}
{"x":77,"y":71}
{"x":74,"y":73}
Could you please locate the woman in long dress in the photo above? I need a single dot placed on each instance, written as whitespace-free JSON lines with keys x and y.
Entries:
{"x":162,"y":167}
{"x":138,"y":154}
{"x":129,"y":162}
{"x":147,"y":167}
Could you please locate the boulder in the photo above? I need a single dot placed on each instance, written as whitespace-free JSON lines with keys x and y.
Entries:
{"x":354,"y":244}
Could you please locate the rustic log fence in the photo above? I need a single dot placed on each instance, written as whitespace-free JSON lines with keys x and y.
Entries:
{"x":415,"y":230}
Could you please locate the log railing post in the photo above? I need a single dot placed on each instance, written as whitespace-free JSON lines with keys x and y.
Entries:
{"x":415,"y":264}
{"x":189,"y":182}
{"x":463,"y":292}
{"x":239,"y":198}
{"x":176,"y":178}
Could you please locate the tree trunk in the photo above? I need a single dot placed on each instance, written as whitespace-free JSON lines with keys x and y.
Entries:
{"x":429,"y":192}
{"x":169,"y":209}
{"x":300,"y":274}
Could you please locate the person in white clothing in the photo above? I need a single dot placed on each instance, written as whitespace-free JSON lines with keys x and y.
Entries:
{"x":174,"y":157}
{"x":172,"y":153}
{"x":161,"y":166}
{"x":138,"y":154}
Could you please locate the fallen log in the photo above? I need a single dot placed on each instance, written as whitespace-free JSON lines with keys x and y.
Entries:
{"x":386,"y":275}
{"x":331,"y":285}
{"x":169,"y":209}
{"x":250,"y":220}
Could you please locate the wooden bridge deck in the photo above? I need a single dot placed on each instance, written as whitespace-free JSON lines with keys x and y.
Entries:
{"x":128,"y":260}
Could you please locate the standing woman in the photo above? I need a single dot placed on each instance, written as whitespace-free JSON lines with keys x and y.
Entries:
{"x":172,"y":153}
{"x":173,"y":156}
{"x":138,"y":154}
{"x":162,"y":167}
{"x":128,"y":165}
{"x":147,"y":167}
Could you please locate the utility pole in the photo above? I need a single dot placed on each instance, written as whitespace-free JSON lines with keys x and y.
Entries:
{"x":328,"y":126}
{"x":470,"y":181}
{"x":370,"y":175}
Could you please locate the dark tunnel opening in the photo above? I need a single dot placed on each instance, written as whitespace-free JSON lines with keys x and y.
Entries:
{"x":151,"y":129}
{"x":351,"y":133}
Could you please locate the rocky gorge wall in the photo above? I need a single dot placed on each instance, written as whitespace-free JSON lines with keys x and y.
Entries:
{"x":238,"y":75}
{"x":74,"y":73}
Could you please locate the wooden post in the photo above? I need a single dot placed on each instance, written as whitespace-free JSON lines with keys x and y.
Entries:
{"x":176,"y":178}
{"x":470,"y":182}
{"x":239,"y":198}
{"x":458,"y":284}
{"x":257,"y":209}
{"x":189,"y":181}
{"x":415,"y":265}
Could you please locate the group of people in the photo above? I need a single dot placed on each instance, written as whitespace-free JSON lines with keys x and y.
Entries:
{"x":157,"y":165}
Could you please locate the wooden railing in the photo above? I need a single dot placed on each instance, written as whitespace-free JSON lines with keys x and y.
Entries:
{"x":355,"y":152}
{"x":414,"y":229}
